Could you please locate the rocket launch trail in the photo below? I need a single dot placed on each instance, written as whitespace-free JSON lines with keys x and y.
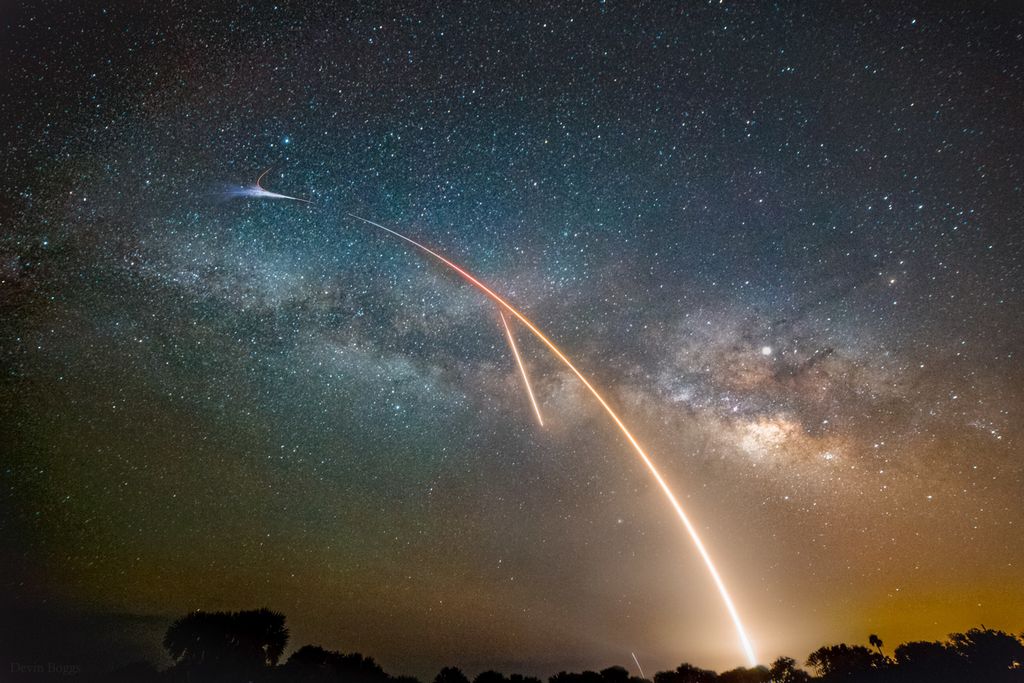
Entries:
{"x":639,"y":668}
{"x":691,"y":530}
{"x":504,"y":307}
{"x":522,"y":368}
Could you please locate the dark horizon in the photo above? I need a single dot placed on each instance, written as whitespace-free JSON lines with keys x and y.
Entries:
{"x":976,"y":653}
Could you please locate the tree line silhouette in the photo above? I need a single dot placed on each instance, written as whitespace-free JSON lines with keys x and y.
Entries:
{"x":247,"y":646}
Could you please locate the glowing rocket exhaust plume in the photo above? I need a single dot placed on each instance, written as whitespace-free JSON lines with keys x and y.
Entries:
{"x":639,"y":668}
{"x":522,"y":368}
{"x":748,"y":649}
{"x":257,"y":190}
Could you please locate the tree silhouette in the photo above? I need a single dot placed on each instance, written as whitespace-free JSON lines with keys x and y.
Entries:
{"x":876,"y":642}
{"x":309,"y":663}
{"x":923,"y":662}
{"x":262,"y":634}
{"x":489,"y":677}
{"x":237,"y":647}
{"x":450,"y":674}
{"x":686,"y":673}
{"x":615,"y":674}
{"x":581,"y":677}
{"x":990,"y":655}
{"x":783,"y":670}
{"x":845,"y":662}
{"x":312,"y":663}
{"x":757,"y":674}
{"x":519,"y":678}
{"x":196,"y":638}
{"x":209,"y":643}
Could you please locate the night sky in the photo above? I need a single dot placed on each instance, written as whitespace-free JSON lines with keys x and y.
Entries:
{"x":785,"y":239}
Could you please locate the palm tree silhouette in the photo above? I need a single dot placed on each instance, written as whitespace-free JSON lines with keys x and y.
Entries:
{"x":876,"y":642}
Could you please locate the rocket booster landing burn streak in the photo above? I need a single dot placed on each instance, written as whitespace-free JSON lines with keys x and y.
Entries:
{"x":522,"y":368}
{"x":662,"y":484}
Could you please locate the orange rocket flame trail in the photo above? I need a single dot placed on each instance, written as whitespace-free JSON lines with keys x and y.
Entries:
{"x":522,"y":368}
{"x":690,"y":529}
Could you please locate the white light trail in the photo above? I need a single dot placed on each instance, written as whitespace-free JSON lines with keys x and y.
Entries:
{"x":522,"y":368}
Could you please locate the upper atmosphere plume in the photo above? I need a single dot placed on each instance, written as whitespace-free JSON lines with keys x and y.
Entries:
{"x":257,"y":190}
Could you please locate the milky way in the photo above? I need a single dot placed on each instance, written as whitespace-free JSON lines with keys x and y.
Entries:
{"x":788,"y":239}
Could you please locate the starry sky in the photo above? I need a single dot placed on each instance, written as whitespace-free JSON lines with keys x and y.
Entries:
{"x":784,"y":238}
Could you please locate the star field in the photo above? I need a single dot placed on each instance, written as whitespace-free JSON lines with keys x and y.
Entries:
{"x":785,"y":240}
